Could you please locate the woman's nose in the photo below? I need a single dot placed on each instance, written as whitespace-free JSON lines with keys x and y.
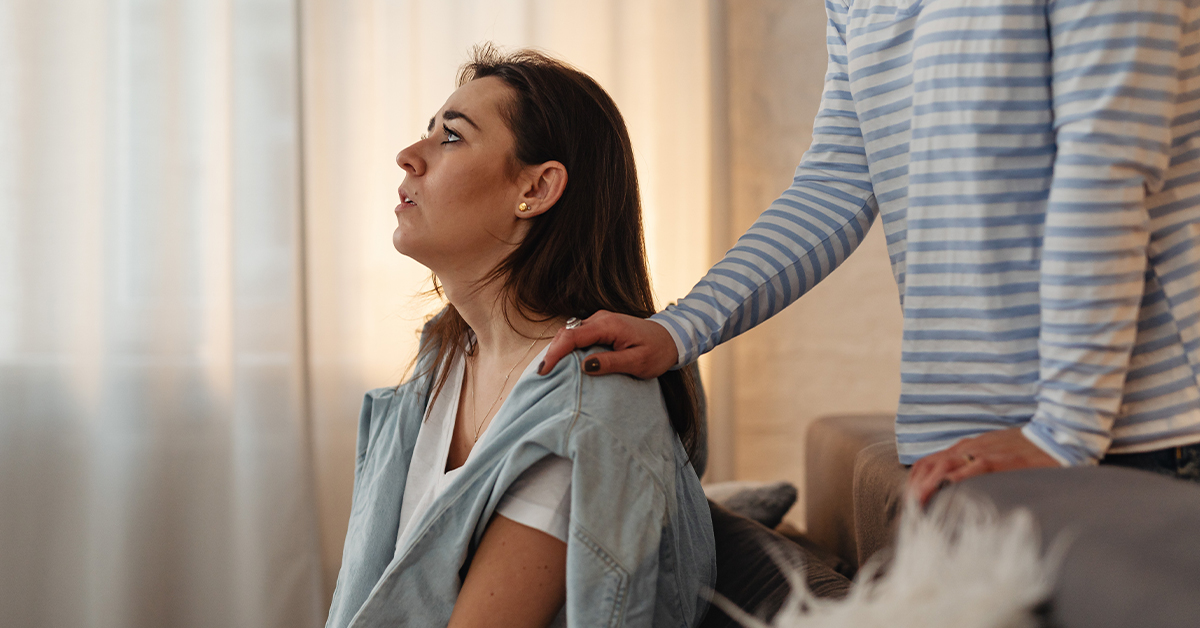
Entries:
{"x":410,"y":160}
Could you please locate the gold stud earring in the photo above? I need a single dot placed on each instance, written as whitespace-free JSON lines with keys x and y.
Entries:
{"x":523,"y":207}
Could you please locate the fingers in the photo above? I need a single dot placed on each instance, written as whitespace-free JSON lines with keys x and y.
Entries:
{"x":932,"y":473}
{"x":978,"y":466}
{"x":633,"y":361}
{"x":1000,"y":450}
{"x":560,"y":346}
{"x":642,"y":348}
{"x":630,"y":361}
{"x":922,"y":469}
{"x":568,"y":340}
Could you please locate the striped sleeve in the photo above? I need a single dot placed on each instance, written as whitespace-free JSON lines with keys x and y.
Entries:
{"x":1114,"y":84}
{"x":806,"y":233}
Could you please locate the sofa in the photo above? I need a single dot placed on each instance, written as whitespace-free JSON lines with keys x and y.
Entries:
{"x":1133,"y":557}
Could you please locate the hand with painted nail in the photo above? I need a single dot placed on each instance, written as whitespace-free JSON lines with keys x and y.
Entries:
{"x":1001,"y":450}
{"x":641,"y":347}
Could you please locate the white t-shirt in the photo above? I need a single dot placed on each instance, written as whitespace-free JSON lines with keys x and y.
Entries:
{"x":540,"y":498}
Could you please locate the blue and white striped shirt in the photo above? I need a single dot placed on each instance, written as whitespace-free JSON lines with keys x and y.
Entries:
{"x":1036,"y":168}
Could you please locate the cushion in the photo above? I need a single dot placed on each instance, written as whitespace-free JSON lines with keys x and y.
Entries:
{"x":1134,"y":553}
{"x":749,"y":575}
{"x":764,"y":502}
{"x":700,"y":461}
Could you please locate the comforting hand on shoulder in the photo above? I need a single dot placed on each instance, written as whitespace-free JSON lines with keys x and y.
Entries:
{"x":641,"y":347}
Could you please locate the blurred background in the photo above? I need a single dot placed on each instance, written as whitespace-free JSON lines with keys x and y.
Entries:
{"x":197,"y":282}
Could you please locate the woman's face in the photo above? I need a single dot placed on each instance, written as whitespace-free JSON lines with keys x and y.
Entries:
{"x":458,"y":203}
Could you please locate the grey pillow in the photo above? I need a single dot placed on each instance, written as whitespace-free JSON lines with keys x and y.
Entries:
{"x":764,"y":502}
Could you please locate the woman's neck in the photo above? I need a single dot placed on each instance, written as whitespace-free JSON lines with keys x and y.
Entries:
{"x":501,"y":329}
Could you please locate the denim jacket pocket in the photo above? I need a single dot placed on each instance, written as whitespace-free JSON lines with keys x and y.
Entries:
{"x":604,"y":601}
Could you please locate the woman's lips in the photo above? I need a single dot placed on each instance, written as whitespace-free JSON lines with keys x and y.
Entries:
{"x":406,"y":200}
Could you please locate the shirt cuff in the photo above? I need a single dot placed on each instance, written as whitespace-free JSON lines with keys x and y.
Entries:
{"x":1062,"y":445}
{"x":680,"y":349}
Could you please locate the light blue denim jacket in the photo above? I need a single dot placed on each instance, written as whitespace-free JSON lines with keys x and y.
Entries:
{"x":640,"y":549}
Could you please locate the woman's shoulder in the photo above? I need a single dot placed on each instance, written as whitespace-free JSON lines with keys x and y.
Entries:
{"x":392,"y":405}
{"x":614,"y":407}
{"x":416,"y":385}
{"x":600,"y":392}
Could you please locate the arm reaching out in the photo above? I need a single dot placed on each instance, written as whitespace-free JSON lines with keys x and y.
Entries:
{"x":806,"y":233}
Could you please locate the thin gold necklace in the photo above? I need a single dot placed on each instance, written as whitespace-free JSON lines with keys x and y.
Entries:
{"x":474,"y":409}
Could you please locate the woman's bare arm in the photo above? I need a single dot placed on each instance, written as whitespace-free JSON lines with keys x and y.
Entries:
{"x":518,"y":579}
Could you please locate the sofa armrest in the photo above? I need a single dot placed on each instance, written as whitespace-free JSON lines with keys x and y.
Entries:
{"x":832,"y":448}
{"x":879,"y":480}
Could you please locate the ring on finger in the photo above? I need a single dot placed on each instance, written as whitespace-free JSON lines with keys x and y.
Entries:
{"x":573,"y":323}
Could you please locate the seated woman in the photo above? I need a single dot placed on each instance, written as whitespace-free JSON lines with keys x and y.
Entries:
{"x":483,"y":494}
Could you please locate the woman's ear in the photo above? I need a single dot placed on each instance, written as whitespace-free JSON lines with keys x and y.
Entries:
{"x":545,"y":185}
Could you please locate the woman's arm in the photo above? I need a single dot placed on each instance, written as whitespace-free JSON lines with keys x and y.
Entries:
{"x":518,"y":578}
{"x":805,"y":234}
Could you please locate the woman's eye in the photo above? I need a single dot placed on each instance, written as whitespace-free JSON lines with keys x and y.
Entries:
{"x":451,"y":136}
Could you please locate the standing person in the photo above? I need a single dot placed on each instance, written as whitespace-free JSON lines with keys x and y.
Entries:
{"x":487,"y":496}
{"x":1035,"y":167}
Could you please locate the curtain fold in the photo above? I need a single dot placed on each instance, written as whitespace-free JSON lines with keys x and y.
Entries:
{"x":154,"y":465}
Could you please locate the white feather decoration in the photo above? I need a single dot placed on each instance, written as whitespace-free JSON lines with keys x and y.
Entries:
{"x":960,"y":565}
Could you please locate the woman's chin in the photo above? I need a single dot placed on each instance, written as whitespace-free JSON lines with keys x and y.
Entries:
{"x":404,"y":246}
{"x":409,"y":249}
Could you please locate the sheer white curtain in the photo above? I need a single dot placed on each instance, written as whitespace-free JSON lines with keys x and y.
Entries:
{"x":197,"y":281}
{"x":154,"y":466}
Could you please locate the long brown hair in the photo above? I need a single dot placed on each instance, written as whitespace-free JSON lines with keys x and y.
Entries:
{"x":586,"y":253}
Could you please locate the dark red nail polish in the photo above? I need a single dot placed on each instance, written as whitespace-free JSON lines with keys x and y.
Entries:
{"x":592,"y":365}
{"x":541,"y":365}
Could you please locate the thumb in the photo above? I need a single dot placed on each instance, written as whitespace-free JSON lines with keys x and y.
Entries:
{"x":566,"y":341}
